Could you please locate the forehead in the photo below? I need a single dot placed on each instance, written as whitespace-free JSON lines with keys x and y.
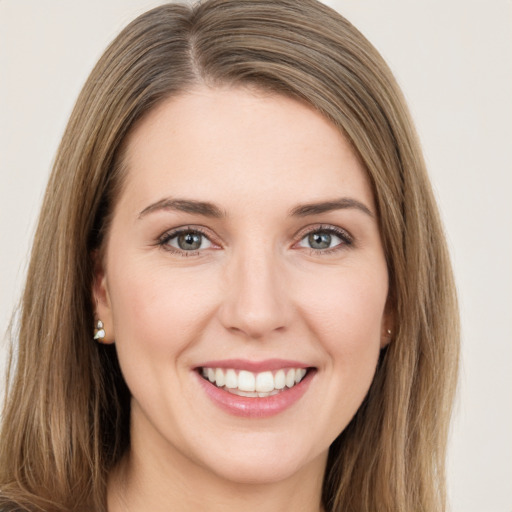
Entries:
{"x":234,"y":144}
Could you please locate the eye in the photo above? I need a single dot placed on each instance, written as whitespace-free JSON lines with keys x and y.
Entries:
{"x":324,"y":239}
{"x":186,"y":240}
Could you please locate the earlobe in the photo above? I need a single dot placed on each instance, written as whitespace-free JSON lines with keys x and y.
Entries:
{"x":103,"y":329}
{"x":388,"y":330}
{"x":99,"y":332}
{"x":386,"y":337}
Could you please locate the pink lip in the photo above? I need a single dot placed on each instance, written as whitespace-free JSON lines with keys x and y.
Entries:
{"x":250,"y":407}
{"x":254,"y":366}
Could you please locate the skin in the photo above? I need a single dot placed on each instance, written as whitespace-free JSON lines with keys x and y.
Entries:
{"x":255,"y":290}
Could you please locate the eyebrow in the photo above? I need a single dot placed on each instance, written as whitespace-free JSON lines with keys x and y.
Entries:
{"x":343,"y":203}
{"x":184,"y":205}
{"x":210,"y":210}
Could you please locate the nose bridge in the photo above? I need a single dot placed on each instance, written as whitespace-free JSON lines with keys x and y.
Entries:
{"x":255,"y":301}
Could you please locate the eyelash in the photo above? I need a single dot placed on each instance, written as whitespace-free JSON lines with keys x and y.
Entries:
{"x":346,"y":239}
{"x":163,"y":241}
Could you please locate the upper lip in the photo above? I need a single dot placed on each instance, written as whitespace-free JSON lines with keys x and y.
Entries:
{"x":254,"y":366}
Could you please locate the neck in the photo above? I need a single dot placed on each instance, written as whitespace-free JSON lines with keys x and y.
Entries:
{"x":139,"y":484}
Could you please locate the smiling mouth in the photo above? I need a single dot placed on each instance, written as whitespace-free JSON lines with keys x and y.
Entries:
{"x":251,"y":384}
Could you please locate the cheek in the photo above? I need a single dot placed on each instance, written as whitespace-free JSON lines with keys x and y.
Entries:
{"x":347,"y":313}
{"x":345,"y":317}
{"x":157,"y":312}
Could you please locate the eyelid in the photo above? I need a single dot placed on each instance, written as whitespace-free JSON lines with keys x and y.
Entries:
{"x":174,"y":232}
{"x":343,"y":234}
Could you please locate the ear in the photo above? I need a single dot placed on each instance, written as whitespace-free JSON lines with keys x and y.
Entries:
{"x":101,"y":300}
{"x":388,"y":325}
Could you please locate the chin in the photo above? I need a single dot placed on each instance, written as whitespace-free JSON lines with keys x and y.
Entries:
{"x":256,"y":473}
{"x":266,"y":465}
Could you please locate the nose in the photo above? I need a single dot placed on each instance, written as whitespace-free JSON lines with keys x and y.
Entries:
{"x":256,"y":301}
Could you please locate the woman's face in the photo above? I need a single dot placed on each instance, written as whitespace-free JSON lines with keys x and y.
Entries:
{"x":244,"y":247}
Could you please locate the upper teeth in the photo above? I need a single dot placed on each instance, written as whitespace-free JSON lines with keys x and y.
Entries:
{"x":245,"y":381}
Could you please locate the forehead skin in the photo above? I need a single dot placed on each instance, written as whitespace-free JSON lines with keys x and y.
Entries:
{"x":159,"y":141}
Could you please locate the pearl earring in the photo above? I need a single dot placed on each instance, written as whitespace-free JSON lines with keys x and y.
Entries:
{"x":99,"y":331}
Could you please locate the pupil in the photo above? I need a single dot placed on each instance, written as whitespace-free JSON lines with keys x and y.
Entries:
{"x":320,"y":240}
{"x":189,"y":241}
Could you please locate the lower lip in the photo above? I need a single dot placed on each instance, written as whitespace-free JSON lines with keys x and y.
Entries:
{"x":256,"y":407}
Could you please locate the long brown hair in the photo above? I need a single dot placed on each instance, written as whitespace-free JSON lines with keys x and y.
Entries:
{"x":66,"y":414}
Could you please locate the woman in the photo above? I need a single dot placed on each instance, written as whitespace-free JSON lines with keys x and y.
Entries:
{"x":239,"y":294}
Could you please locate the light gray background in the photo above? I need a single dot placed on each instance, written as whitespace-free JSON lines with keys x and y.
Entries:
{"x":453,"y":59}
